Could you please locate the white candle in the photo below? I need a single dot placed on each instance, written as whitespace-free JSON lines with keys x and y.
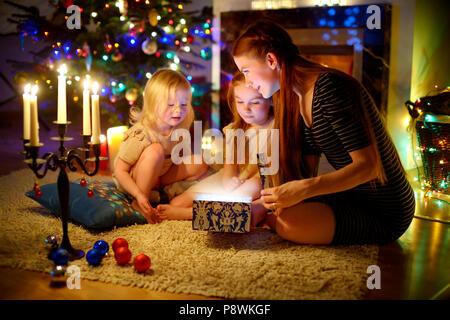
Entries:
{"x":86,"y":110}
{"x":95,"y":115}
{"x":34,"y":122}
{"x":114,"y":136}
{"x":26,"y":112}
{"x":62,"y":107}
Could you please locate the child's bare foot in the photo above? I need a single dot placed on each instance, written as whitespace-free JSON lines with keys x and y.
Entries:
{"x":259,"y":213}
{"x":169,"y":212}
{"x":151,"y":217}
{"x":257,"y":217}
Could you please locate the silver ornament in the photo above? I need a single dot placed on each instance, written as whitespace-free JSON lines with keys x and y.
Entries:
{"x":58,"y":274}
{"x":52,"y":240}
{"x":149,"y":46}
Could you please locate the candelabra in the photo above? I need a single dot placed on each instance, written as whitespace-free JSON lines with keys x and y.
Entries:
{"x":65,"y":159}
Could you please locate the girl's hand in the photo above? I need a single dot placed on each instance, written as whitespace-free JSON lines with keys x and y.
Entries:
{"x":285,"y":195}
{"x":147,"y":210}
{"x":233,"y":183}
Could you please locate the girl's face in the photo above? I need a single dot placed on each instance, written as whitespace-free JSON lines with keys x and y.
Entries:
{"x":175,"y":111}
{"x":250,"y":105}
{"x":261,"y":75}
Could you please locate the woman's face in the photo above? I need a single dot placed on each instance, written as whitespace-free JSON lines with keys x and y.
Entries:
{"x":250,"y":105}
{"x":261,"y":75}
{"x":176,"y":109}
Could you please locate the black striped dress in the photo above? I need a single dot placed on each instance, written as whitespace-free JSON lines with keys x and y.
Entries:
{"x":367,"y":213}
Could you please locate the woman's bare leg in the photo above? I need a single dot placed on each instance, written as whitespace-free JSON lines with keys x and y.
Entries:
{"x":306,"y":223}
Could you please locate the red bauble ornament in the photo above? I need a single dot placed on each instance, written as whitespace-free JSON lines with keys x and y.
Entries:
{"x":36,"y":187}
{"x":122,"y":255}
{"x":91,"y":193}
{"x":118,"y":243}
{"x":190,"y":38}
{"x":67,"y":3}
{"x":38,"y":194}
{"x":83,"y":182}
{"x":141,"y":263}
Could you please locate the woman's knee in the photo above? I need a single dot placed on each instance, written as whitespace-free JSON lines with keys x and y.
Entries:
{"x":307,"y":224}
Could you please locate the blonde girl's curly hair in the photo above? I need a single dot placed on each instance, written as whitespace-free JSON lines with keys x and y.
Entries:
{"x":156,"y":95}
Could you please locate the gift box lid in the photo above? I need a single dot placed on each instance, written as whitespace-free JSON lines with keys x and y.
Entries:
{"x":222,"y":198}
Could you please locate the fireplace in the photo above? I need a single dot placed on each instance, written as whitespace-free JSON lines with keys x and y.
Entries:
{"x":337,"y":37}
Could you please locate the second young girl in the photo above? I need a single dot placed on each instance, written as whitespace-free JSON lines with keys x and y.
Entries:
{"x":250,"y":111}
{"x":144,"y":159}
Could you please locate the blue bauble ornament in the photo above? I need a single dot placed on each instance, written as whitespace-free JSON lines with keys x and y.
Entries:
{"x":102,"y":246}
{"x":60,"y":257}
{"x":94,"y":257}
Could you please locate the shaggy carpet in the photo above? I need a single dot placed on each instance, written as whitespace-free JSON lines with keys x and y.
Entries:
{"x":257,"y":265}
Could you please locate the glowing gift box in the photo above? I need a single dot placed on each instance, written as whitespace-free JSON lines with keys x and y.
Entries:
{"x":221,"y":213}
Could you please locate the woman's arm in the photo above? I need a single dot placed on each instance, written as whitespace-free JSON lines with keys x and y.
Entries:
{"x":361,"y":170}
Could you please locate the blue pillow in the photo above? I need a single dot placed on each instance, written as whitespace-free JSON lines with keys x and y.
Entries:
{"x":107,"y":209}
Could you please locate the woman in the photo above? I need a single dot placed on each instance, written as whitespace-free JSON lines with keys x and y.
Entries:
{"x":321,"y":110}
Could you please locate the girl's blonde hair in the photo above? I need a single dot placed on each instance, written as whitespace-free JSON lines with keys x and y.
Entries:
{"x":156,"y":97}
{"x":257,"y":41}
{"x":238,"y":122}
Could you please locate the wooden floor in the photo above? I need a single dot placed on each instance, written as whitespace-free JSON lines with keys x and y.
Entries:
{"x":414,"y":267}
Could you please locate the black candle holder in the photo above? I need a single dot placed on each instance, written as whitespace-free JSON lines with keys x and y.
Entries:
{"x":65,"y":159}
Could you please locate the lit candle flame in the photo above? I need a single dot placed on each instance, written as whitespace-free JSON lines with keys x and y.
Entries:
{"x":34,"y":90}
{"x":87,"y":83}
{"x":95,"y":88}
{"x":62,"y":70}
{"x":27,"y":88}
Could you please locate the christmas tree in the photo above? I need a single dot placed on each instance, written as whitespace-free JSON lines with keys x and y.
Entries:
{"x":120,"y":44}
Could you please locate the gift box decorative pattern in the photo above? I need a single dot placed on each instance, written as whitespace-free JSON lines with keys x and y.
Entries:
{"x":221,"y":213}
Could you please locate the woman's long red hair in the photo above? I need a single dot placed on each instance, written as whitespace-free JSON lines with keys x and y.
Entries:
{"x":296,"y":72}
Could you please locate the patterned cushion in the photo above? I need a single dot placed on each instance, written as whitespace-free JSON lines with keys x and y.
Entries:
{"x":108,"y":208}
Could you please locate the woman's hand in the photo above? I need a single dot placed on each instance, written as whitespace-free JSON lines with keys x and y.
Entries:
{"x":285,"y":195}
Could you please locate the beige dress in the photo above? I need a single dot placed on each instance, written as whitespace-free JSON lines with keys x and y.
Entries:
{"x":135,"y":140}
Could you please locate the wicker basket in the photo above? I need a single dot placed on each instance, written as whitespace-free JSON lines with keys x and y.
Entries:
{"x":433,"y":137}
